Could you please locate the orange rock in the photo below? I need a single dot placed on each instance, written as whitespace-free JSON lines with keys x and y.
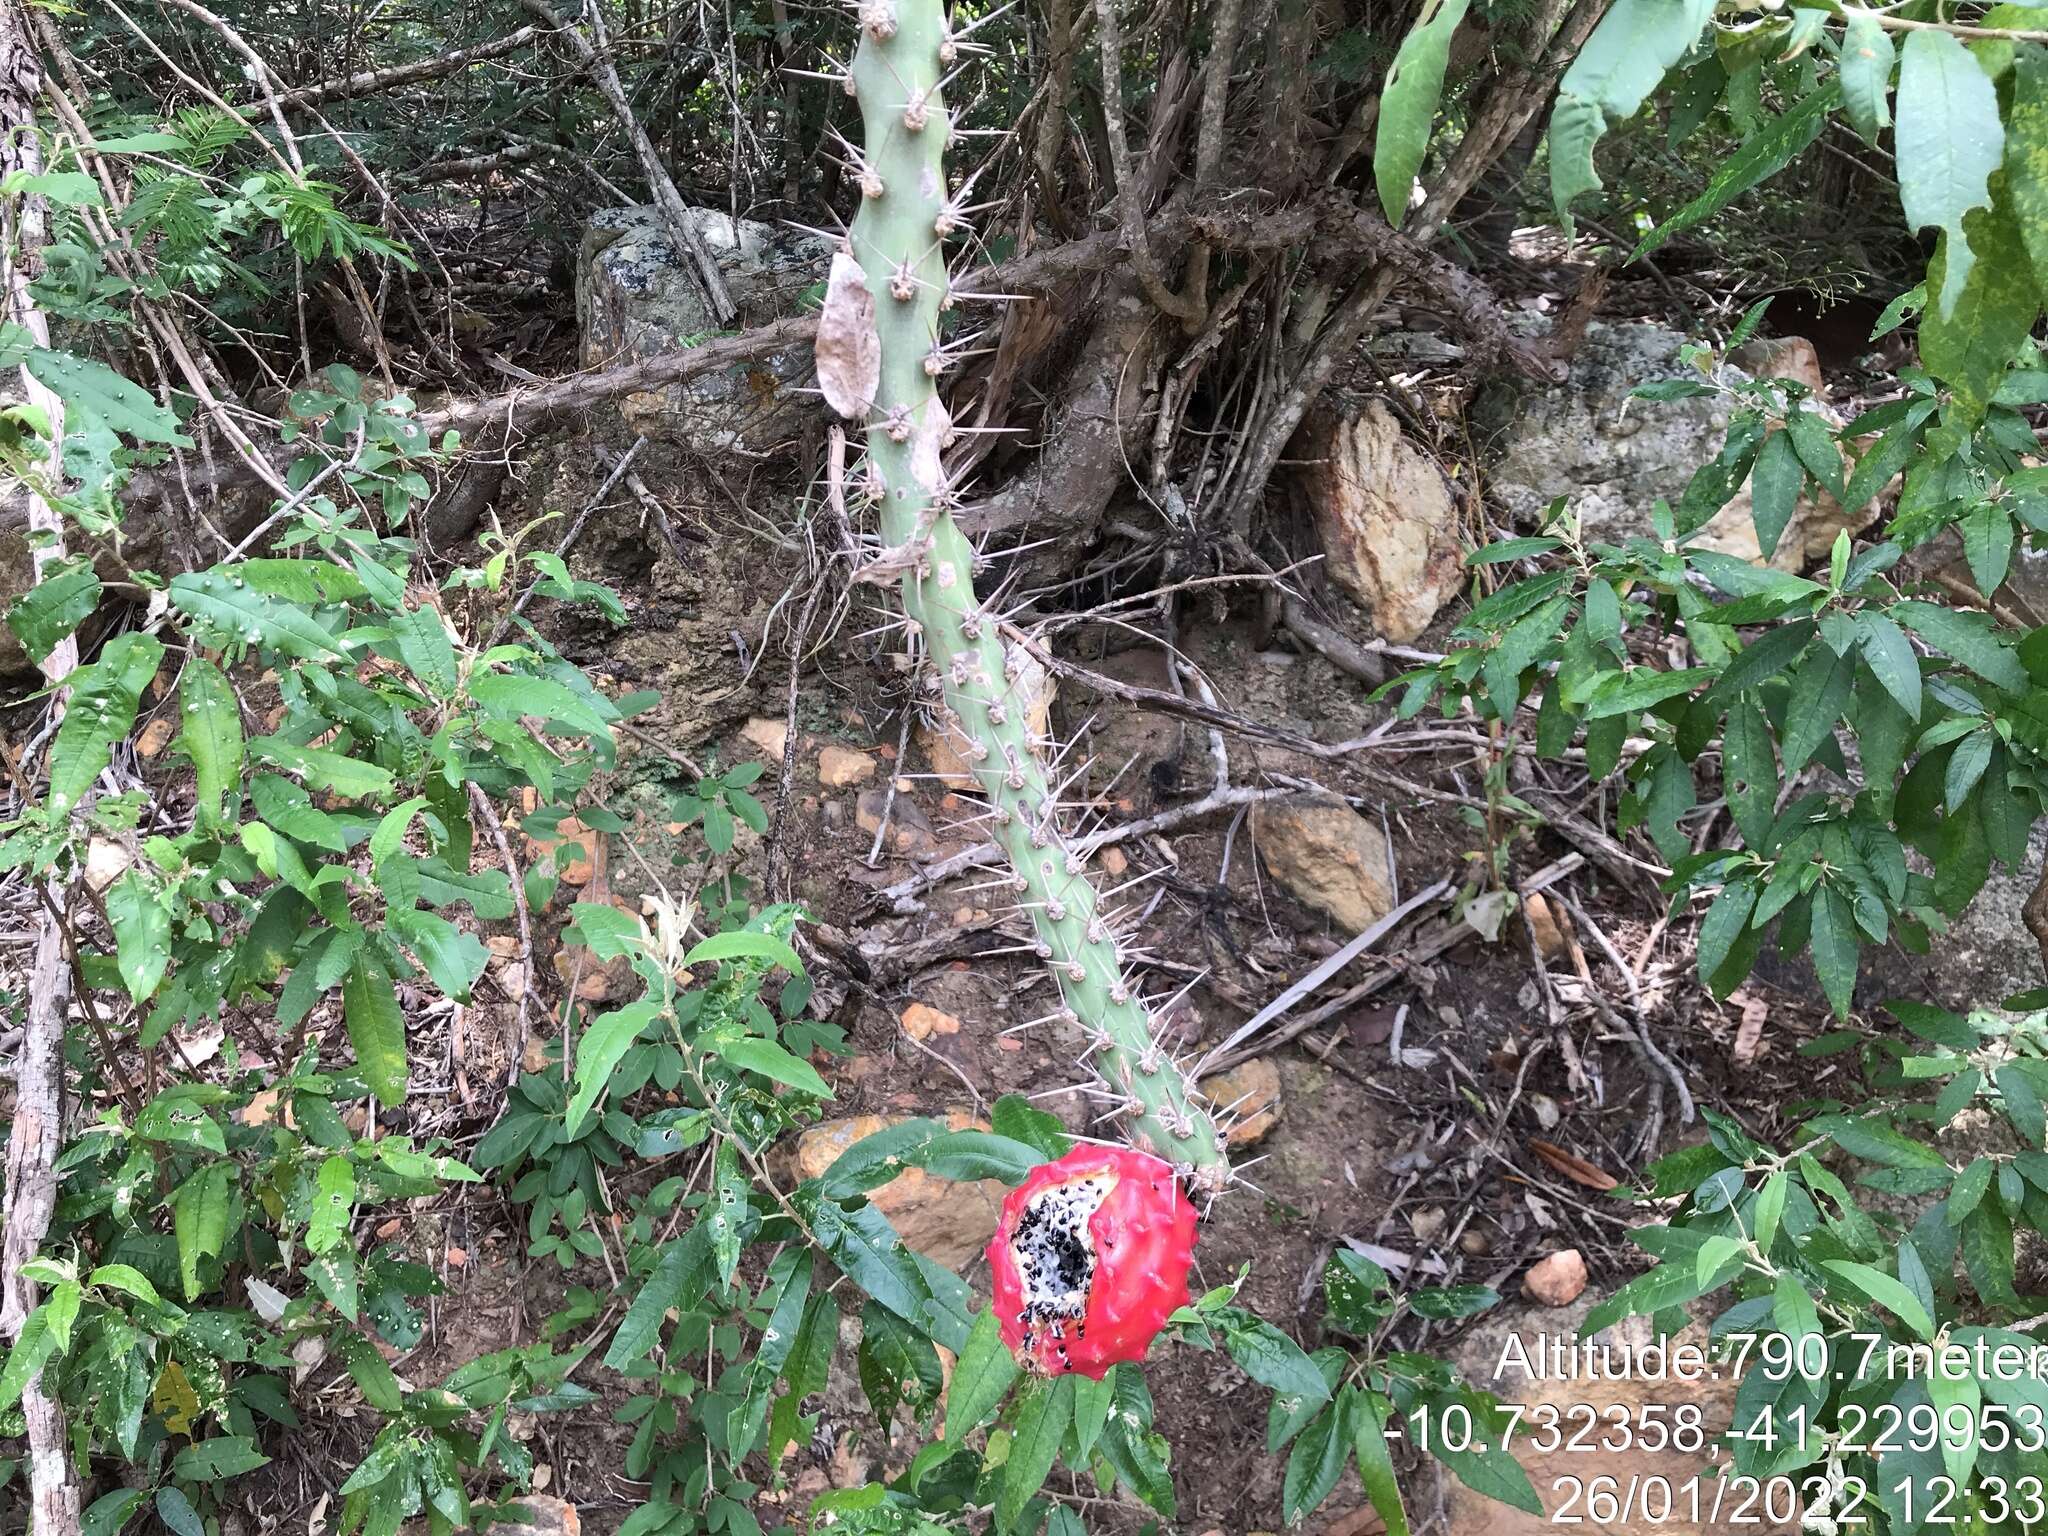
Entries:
{"x":921,"y":1022}
{"x":155,"y":736}
{"x":950,"y":1222}
{"x":839,"y":767}
{"x":1112,"y":861}
{"x":1556,"y":1279}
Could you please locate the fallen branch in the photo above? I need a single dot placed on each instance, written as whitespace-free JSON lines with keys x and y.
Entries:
{"x":367,"y":82}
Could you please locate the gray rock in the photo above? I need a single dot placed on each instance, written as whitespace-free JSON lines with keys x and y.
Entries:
{"x":1612,"y":455}
{"x":635,"y":298}
{"x":1986,"y":956}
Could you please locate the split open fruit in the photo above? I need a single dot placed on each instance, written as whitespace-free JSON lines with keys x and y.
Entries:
{"x":1090,"y":1258}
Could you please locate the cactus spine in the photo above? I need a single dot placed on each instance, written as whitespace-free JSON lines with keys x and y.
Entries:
{"x":898,"y":240}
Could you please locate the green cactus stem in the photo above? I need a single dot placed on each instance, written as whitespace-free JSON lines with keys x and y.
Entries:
{"x":898,"y":240}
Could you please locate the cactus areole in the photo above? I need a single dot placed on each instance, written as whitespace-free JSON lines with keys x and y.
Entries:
{"x":1090,"y":1259}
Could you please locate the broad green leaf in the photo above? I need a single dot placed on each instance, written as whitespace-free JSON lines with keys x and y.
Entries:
{"x":1763,"y":154}
{"x":1820,"y":691}
{"x":515,"y":697}
{"x":1749,"y":771}
{"x":1891,"y":659}
{"x":349,"y":777}
{"x":1486,"y":1466}
{"x":213,"y":1460}
{"x":1983,"y":309}
{"x":1987,"y":532}
{"x":1947,"y":142}
{"x":1270,"y":1357}
{"x":982,"y":1378}
{"x":1866,"y":70}
{"x":376,"y":1029}
{"x":742,"y":944}
{"x":1836,"y":947}
{"x":770,"y":1060}
{"x":95,"y":389}
{"x":2026,"y":158}
{"x":242,"y":613}
{"x":1575,"y":128}
{"x":1408,"y":104}
{"x":1318,"y":1458}
{"x":1970,"y":638}
{"x":607,"y":1039}
{"x":104,"y":697}
{"x":210,"y":733}
{"x":1630,"y":50}
{"x":1775,"y":483}
{"x":334,"y":1199}
{"x":680,"y":1258}
{"x":1887,"y":1292}
{"x":54,"y":607}
{"x":199,"y":1220}
{"x":1041,"y":1424}
{"x":142,"y":934}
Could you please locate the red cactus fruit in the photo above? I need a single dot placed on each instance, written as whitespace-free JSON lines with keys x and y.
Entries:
{"x":1090,"y":1258}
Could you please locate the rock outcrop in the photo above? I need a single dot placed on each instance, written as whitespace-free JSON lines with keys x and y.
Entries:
{"x":635,"y":298}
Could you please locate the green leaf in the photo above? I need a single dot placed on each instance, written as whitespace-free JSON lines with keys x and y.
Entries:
{"x":772,"y":1061}
{"x":334,"y":1199}
{"x":1967,"y":1191}
{"x":964,"y":1155}
{"x":336,"y":772}
{"x":376,"y":1029}
{"x":1775,"y":483}
{"x":1983,"y":308}
{"x":176,"y":1512}
{"x":1866,"y":72}
{"x":1820,"y":691}
{"x":1270,"y":1357}
{"x":1408,"y":104}
{"x":2022,"y":1106}
{"x":199,"y":1220}
{"x":1887,"y":1292}
{"x":252,"y":617}
{"x":210,"y":733}
{"x":741,"y":944}
{"x":95,"y":389}
{"x":1763,"y":154}
{"x":1016,"y":1117}
{"x":1041,"y":1424}
{"x":1836,"y":947}
{"x":1947,"y":143}
{"x":1318,"y":1457}
{"x":1749,"y":771}
{"x":641,"y":1325}
{"x":142,"y":934}
{"x":2026,"y":157}
{"x":1575,"y":128}
{"x":1891,"y":659}
{"x":607,"y":931}
{"x":62,"y":598}
{"x":1486,"y":1466}
{"x":32,"y":1350}
{"x":223,"y":1456}
{"x":1376,"y":1464}
{"x":1630,"y":51}
{"x":981,"y":1379}
{"x":1987,"y":540}
{"x":866,"y":1247}
{"x":104,"y":697}
{"x":607,"y":1039}
{"x":1970,"y":638}
{"x":513,"y":696}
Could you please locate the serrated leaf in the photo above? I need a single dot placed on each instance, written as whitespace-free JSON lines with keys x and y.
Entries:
{"x":1887,"y":1292}
{"x":1041,"y":1424}
{"x":981,"y":1379}
{"x":1969,"y":638}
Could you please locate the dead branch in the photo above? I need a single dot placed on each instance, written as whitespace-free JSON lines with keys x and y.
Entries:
{"x":368,"y":82}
